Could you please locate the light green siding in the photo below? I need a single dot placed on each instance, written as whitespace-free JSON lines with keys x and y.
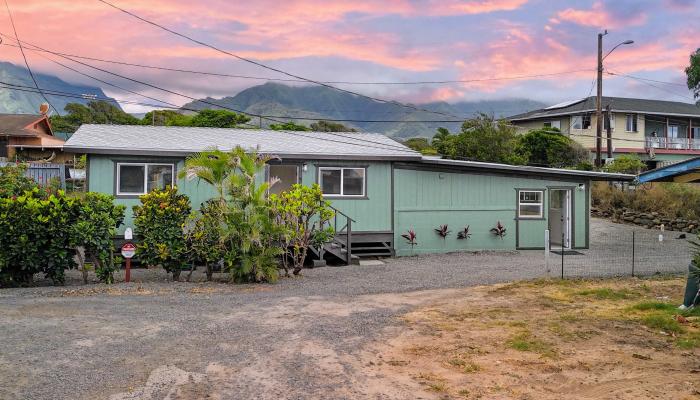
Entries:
{"x":373,"y":213}
{"x":101,"y":178}
{"x":426,"y":199}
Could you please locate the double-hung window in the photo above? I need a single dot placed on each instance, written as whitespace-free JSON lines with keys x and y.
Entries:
{"x":631,"y":125}
{"x":141,"y":178}
{"x":581,"y":121}
{"x":530,"y":203}
{"x":342,"y":182}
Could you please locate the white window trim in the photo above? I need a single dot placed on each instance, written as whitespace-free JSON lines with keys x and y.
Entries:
{"x":541,"y":204}
{"x":342,"y":181}
{"x":145,"y":176}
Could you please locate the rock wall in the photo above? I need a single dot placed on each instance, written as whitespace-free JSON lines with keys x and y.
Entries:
{"x":651,"y":220}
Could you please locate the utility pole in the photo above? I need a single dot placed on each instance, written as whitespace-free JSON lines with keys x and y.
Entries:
{"x":608,"y":118}
{"x":599,"y":101}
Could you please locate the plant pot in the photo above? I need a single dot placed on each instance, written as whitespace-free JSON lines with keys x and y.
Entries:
{"x":319,"y":263}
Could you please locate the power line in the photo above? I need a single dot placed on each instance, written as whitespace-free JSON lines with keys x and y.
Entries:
{"x":384,"y":146}
{"x":263,"y":78}
{"x":24,"y":56}
{"x":274,"y":118}
{"x":609,"y":72}
{"x":654,"y":86}
{"x":259,"y":64}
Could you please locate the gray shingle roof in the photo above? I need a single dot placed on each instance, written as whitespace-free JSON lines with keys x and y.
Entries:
{"x":619,"y":104}
{"x":160,"y":140}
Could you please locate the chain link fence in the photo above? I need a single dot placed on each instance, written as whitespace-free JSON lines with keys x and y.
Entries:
{"x":626,"y":252}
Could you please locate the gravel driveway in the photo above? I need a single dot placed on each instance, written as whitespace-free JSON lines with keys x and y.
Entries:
{"x":305,"y":337}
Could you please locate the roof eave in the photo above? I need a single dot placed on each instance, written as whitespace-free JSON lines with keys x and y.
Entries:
{"x":184,"y":153}
{"x":527,"y":170}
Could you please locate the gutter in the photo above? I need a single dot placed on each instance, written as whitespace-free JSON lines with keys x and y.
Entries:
{"x":300,"y":156}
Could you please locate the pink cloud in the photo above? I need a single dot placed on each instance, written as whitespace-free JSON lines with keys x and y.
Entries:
{"x":599,"y":17}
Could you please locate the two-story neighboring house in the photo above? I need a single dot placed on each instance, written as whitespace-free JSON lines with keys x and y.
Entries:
{"x":660,"y":132}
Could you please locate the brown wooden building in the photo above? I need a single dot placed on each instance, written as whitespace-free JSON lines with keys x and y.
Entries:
{"x":28,"y":137}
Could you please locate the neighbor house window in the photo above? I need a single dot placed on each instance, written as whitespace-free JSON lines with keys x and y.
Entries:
{"x":553,"y":124}
{"x":141,"y":178}
{"x":530,"y":203}
{"x":631,"y":125}
{"x":337,"y":181}
{"x":609,"y":122}
{"x":581,"y":121}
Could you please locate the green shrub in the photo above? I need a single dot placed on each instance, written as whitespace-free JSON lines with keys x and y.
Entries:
{"x":301,"y":213}
{"x":672,"y":200}
{"x":98,"y":219}
{"x":205,"y":235}
{"x":626,"y":164}
{"x":13,"y":181}
{"x":36,"y":235}
{"x":159,"y":222}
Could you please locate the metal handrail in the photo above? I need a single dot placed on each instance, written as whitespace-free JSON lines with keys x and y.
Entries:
{"x":347,"y":228}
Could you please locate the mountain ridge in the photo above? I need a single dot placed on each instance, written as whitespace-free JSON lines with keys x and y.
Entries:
{"x":317,"y":102}
{"x":24,"y":102}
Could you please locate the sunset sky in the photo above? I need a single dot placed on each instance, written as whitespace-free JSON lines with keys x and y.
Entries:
{"x":361,"y":40}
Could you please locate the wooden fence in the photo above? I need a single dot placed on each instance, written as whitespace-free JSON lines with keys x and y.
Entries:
{"x":43,"y":173}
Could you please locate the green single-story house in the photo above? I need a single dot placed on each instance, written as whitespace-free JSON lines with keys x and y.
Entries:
{"x":382,"y":187}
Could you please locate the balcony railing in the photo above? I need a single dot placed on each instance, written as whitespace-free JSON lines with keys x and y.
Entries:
{"x":672,"y":143}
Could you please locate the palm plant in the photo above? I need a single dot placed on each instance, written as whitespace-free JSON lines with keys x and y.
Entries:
{"x":251,"y":229}
{"x":464,"y":233}
{"x":214,"y":167}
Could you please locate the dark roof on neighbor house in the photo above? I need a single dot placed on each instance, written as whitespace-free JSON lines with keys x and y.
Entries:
{"x":478,"y":166}
{"x":670,"y":172}
{"x":179,"y":141}
{"x":15,"y":124}
{"x":617,"y":104}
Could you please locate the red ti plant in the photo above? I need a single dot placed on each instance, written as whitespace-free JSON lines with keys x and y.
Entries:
{"x":442,"y":231}
{"x":464,"y":233}
{"x":499,"y":230}
{"x":410,"y":237}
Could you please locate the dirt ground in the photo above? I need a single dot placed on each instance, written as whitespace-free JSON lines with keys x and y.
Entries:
{"x":608,"y":339}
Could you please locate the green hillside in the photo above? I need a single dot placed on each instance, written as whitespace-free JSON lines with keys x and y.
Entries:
{"x":22,"y":102}
{"x":317,"y":102}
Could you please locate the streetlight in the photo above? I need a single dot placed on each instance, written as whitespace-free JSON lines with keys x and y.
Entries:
{"x":599,"y":105}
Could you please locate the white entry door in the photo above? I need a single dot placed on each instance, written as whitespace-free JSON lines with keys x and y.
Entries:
{"x":559,"y":217}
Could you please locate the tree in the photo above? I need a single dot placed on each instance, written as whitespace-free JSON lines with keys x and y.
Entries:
{"x":421,"y":145}
{"x":214,"y":167}
{"x":301,"y":213}
{"x":693,"y":73}
{"x":547,"y":147}
{"x":326,"y":126}
{"x":250,"y":231}
{"x":288,"y":126}
{"x":95,"y":112}
{"x":481,"y":139}
{"x":166,"y":118}
{"x":626,"y":164}
{"x":218,"y":119}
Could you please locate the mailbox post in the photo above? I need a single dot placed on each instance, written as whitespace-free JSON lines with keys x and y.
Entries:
{"x":128,"y":251}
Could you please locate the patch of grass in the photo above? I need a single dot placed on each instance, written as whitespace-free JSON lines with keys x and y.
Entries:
{"x":464,"y":392}
{"x":437,"y":387}
{"x":525,"y":341}
{"x":662,"y":322}
{"x":608,"y":294}
{"x":471,"y":368}
{"x":655,"y":306}
{"x":467,"y":367}
{"x":688,"y":343}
